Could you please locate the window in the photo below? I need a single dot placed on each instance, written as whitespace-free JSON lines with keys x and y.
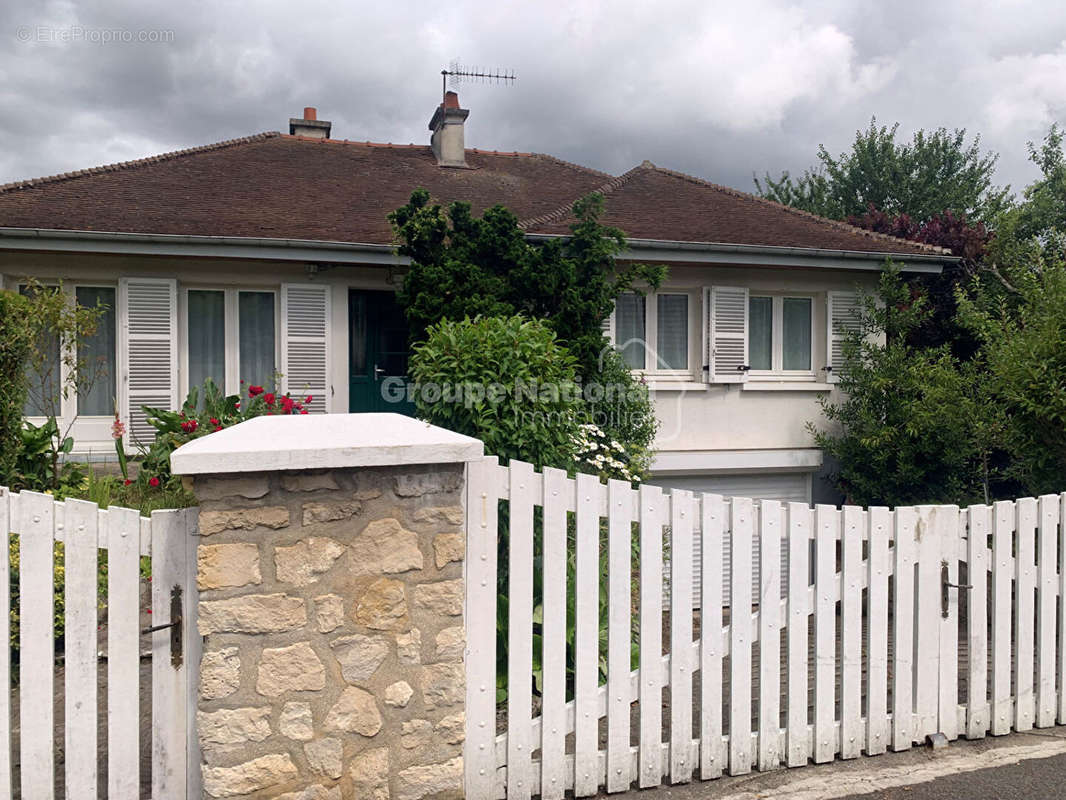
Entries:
{"x":44,"y":380}
{"x":652,"y":332}
{"x":630,"y":333}
{"x":97,"y":353}
{"x":96,"y":387}
{"x":232,"y":336}
{"x":779,"y":334}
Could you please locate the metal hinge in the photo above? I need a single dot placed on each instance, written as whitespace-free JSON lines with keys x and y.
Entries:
{"x":176,"y":627}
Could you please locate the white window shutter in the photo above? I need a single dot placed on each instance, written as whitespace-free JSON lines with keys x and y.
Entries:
{"x":607,"y":326}
{"x":727,"y":334}
{"x":149,"y":351}
{"x":842,"y":318}
{"x":305,"y":332}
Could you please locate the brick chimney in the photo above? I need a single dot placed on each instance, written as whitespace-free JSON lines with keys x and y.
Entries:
{"x":447,"y":125}
{"x":310,"y":125}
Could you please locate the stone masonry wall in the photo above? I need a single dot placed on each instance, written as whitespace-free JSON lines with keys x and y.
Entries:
{"x":331,"y":605}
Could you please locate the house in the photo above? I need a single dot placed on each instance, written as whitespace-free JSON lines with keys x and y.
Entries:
{"x":272,"y":253}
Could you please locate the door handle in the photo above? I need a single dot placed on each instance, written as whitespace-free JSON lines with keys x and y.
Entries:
{"x":378,"y":372}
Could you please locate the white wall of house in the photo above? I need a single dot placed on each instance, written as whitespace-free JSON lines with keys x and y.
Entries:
{"x":754,"y":428}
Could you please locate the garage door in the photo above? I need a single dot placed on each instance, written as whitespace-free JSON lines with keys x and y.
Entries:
{"x":786,"y":487}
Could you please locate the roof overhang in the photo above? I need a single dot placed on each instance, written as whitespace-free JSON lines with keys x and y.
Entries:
{"x":355,"y":253}
{"x":769,"y":256}
{"x":162,"y":244}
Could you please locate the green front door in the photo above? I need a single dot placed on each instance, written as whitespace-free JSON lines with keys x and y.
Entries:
{"x":377,"y":353}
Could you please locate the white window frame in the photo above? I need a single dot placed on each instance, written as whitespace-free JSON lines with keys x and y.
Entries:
{"x":651,"y":337}
{"x":777,"y":372}
{"x":68,"y":402}
{"x":231,"y":329}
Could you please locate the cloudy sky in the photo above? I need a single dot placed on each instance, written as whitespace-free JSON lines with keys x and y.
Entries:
{"x":718,"y":88}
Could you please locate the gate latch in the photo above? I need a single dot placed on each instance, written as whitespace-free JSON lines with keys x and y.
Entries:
{"x":945,"y":584}
{"x":175,"y":625}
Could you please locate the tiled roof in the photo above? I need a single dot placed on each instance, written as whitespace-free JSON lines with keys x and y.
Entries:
{"x":292,"y":187}
{"x":650,"y":202}
{"x":285,"y":187}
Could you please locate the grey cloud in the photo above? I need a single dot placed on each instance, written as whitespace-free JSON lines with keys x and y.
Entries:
{"x":717,"y":89}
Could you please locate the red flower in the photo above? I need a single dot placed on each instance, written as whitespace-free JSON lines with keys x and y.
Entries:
{"x":237,"y":404}
{"x":213,"y":421}
{"x":127,"y":482}
{"x":189,"y":426}
{"x":269,"y":398}
{"x":308,"y":400}
{"x":218,"y":428}
{"x":254,"y":391}
{"x":287,"y":404}
{"x":153,"y":482}
{"x":303,"y":411}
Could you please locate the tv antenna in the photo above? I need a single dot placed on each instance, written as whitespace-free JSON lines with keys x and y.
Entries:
{"x":457,"y":73}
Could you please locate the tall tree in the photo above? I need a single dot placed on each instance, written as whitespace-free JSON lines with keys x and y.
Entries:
{"x":934,"y":172}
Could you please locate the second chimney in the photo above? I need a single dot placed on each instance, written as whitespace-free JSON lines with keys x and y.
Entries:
{"x":310,"y":125}
{"x":448,"y":142}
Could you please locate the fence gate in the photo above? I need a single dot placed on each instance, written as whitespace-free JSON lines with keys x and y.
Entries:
{"x":142,"y":658}
{"x":894,"y":624}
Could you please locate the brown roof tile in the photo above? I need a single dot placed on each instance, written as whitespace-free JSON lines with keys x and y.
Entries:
{"x":293,"y":187}
{"x":285,"y":187}
{"x":650,"y":202}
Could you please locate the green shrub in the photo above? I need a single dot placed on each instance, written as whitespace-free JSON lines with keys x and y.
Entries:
{"x":15,"y":337}
{"x":504,"y":380}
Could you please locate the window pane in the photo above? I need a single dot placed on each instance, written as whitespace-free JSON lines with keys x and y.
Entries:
{"x":796,"y":327}
{"x":256,"y":310}
{"x":760,"y":332}
{"x":207,"y":338}
{"x":672,"y":330}
{"x":629,"y":329}
{"x":43,"y":395}
{"x":96,"y":354}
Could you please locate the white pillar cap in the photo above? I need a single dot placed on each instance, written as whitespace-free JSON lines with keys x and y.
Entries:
{"x":323,"y":441}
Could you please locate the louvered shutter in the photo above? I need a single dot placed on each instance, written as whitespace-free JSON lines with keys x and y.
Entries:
{"x":727,"y":334}
{"x":842,"y":318}
{"x":305,"y":342}
{"x":149,"y":351}
{"x":607,"y":326}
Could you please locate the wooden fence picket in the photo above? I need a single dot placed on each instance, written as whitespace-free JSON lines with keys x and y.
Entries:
{"x":977,"y":709}
{"x":770,"y":526}
{"x":1024,"y":609}
{"x":946,"y":528}
{"x":650,"y":764}
{"x":80,"y":549}
{"x":740,"y":636}
{"x":1002,"y":575}
{"x":520,"y":633}
{"x":851,"y":734}
{"x":1047,"y":573}
{"x":877,"y":577}
{"x":587,"y":636}
{"x":36,"y":644}
{"x":6,"y":526}
{"x":712,"y":646}
{"x":619,"y":633}
{"x":826,"y":590}
{"x":681,"y":661}
{"x":558,"y":494}
{"x":903,"y":630}
{"x":123,"y":652}
{"x":798,"y":743}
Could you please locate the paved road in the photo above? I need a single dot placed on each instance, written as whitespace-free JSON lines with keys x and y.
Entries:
{"x":1034,"y":779}
{"x":1030,"y":766}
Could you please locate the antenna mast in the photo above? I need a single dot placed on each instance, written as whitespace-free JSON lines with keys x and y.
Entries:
{"x":458,"y":73}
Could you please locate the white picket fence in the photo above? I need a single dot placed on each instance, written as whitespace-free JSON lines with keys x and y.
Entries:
{"x":874,"y":620}
{"x":169,"y":538}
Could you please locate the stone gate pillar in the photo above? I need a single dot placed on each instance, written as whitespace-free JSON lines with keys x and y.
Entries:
{"x":331,"y":606}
